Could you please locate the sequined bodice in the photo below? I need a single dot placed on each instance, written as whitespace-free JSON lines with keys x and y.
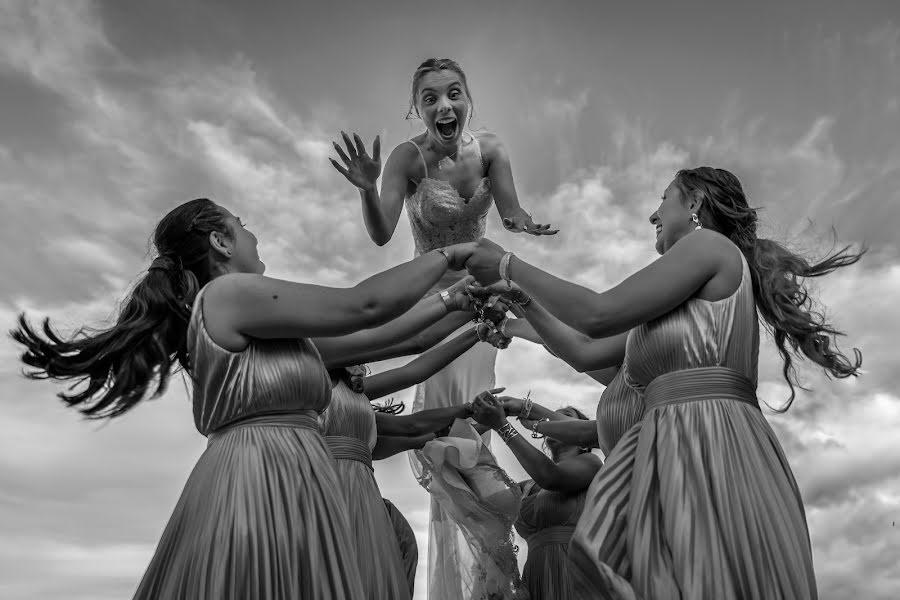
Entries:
{"x":699,"y":333}
{"x":542,"y":509}
{"x":350,"y":415}
{"x":439,"y":216}
{"x":268,"y":376}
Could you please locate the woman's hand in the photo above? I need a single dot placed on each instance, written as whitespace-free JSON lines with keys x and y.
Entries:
{"x":491,"y":336}
{"x":512,"y":406}
{"x":507,"y":290}
{"x":484,"y":262}
{"x":522,"y":222}
{"x":459,"y":255}
{"x":488,"y":410}
{"x":459,"y":293}
{"x":360,"y":169}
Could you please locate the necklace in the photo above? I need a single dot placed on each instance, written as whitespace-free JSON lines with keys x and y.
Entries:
{"x":449,"y":158}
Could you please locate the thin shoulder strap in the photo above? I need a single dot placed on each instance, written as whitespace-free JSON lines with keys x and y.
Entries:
{"x":422,"y":156}
{"x":480,"y":156}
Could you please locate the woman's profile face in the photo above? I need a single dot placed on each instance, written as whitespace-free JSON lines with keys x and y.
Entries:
{"x":672,"y":219}
{"x":443,"y":105}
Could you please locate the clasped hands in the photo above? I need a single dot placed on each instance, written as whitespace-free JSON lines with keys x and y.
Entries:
{"x":491,"y":410}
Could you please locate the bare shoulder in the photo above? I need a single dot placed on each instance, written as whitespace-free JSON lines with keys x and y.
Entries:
{"x":491,"y":145}
{"x":710,"y":245}
{"x":404,"y":156}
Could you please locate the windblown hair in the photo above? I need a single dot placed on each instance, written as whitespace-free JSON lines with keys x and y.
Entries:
{"x":781,"y":295}
{"x":433,"y":65}
{"x":121,"y":365}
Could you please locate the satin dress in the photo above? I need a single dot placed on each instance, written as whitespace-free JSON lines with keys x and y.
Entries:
{"x":262,"y":514}
{"x":349,"y":428}
{"x":698,"y":500}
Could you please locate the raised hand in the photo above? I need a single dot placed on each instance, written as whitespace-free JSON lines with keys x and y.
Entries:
{"x":484,"y":263}
{"x":359,"y":168}
{"x":523,"y":222}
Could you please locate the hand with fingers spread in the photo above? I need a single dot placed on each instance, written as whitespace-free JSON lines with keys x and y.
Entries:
{"x":359,"y":168}
{"x":523,"y":222}
{"x":488,"y":410}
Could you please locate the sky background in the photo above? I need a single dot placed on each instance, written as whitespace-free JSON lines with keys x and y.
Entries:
{"x":113,"y":113}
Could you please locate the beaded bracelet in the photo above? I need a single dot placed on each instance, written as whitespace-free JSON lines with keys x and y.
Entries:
{"x":507,"y":432}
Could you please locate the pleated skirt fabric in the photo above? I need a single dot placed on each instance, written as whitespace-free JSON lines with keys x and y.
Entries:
{"x":546,"y":572}
{"x":262,"y":515}
{"x":406,"y":537}
{"x":696,"y":502}
{"x":381,"y":567}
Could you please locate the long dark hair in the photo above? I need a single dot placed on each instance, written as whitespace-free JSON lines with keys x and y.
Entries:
{"x":432,"y":65}
{"x":134,"y":357}
{"x":781,"y":295}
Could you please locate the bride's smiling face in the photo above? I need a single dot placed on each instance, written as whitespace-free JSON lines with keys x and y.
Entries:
{"x":443,"y":104}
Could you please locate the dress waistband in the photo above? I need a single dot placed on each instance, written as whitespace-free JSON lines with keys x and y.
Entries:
{"x":349,"y":448}
{"x":705,"y":383}
{"x":305,"y":419}
{"x":561,"y":534}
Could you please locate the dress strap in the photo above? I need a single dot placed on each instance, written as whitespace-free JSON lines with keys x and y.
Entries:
{"x":422,"y":156}
{"x":480,"y":155}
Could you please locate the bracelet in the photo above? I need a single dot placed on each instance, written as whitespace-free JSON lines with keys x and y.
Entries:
{"x":526,"y":410}
{"x":534,"y":431}
{"x":448,"y":302}
{"x":521,"y":303}
{"x":478,"y":330}
{"x":446,"y":254}
{"x":507,"y":432}
{"x":504,"y":266}
{"x":502,"y":327}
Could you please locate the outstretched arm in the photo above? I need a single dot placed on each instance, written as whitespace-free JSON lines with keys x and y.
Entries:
{"x":420,"y":423}
{"x":419,"y":369}
{"x":404,"y":335}
{"x":381,"y":211}
{"x":569,"y":475}
{"x":388,"y":446}
{"x":680,"y":273}
{"x":581,"y":352}
{"x":499,"y":170}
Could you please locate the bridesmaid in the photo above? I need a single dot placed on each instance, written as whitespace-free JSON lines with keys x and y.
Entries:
{"x":262,"y":514}
{"x":697,"y":500}
{"x":352,"y":431}
{"x":552,"y":500}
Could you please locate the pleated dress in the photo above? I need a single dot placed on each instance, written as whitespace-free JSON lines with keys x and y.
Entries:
{"x":697,"y":501}
{"x":262,"y":514}
{"x":349,"y":428}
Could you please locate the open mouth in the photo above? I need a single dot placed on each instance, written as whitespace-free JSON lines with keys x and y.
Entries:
{"x":446,"y":127}
{"x":658,"y":230}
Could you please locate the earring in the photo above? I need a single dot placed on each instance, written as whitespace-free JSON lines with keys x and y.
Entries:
{"x":696,"y":221}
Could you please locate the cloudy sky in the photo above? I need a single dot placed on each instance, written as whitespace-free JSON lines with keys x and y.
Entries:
{"x":113,"y":113}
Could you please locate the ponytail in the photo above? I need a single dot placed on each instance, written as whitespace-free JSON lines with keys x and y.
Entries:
{"x":133,"y":359}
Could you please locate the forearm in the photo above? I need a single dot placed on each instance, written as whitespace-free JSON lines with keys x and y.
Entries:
{"x":576,"y":432}
{"x":581,"y":352}
{"x":575,"y":305}
{"x":419,"y":369}
{"x":378,"y":226}
{"x":538,"y":466}
{"x":400,"y":337}
{"x":420,"y":423}
{"x":391,"y":293}
{"x":521,"y":328}
{"x":388,"y":446}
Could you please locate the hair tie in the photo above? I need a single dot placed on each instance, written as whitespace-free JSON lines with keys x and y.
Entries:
{"x":166,"y":262}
